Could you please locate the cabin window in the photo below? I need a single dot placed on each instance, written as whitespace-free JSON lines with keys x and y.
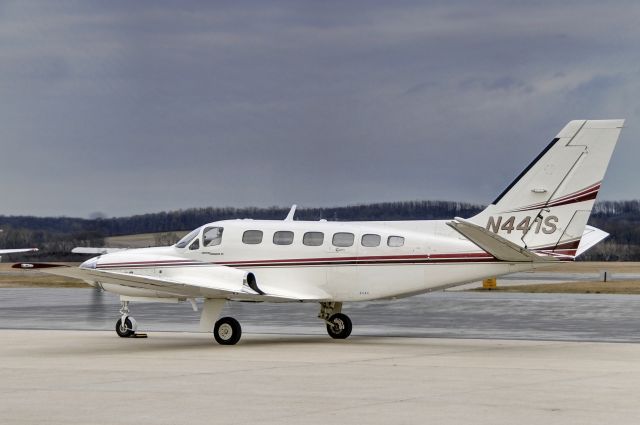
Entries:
{"x":252,"y":237}
{"x":283,"y":238}
{"x":395,"y":241}
{"x":195,"y":245}
{"x":188,"y":238}
{"x":313,"y":238}
{"x":212,"y":236}
{"x":370,"y":240}
{"x":343,"y":239}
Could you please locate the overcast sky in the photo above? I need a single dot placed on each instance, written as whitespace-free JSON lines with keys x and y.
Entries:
{"x":129,"y":107}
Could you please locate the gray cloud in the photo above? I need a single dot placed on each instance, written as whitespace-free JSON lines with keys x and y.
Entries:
{"x":129,"y":107}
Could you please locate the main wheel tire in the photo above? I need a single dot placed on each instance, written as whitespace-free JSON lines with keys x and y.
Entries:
{"x":339,"y":326}
{"x":126,"y":331}
{"x":227,"y":331}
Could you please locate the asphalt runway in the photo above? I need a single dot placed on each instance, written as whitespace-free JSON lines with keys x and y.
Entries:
{"x":490,"y":315}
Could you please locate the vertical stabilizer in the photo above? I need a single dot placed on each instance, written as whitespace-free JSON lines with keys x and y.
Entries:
{"x":547,"y":206}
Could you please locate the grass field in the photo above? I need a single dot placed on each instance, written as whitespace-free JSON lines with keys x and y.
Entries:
{"x":594,"y":267}
{"x":583,"y":287}
{"x":142,"y":240}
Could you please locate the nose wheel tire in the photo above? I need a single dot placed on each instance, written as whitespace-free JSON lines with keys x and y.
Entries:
{"x":339,"y":326}
{"x":127,"y":329}
{"x":227,"y":331}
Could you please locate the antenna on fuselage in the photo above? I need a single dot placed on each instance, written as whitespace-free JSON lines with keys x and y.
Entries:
{"x":292,"y":212}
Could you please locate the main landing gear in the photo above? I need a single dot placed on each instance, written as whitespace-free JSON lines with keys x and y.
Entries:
{"x":338,"y":325}
{"x":227,"y":331}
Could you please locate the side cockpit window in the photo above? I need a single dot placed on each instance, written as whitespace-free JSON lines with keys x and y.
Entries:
{"x":212,"y":236}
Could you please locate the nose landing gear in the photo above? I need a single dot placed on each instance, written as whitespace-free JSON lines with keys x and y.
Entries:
{"x":126,"y":325}
{"x":126,"y":328}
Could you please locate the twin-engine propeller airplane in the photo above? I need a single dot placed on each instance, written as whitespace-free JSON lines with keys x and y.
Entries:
{"x":540,"y":219}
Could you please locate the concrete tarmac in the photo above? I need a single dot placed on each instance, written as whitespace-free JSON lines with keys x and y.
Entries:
{"x":61,"y":362}
{"x":94,"y":377}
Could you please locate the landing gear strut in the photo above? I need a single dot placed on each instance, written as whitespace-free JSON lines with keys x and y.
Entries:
{"x":338,"y":325}
{"x":126,"y":325}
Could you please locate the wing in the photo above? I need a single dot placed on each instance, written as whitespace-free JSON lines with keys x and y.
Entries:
{"x":495,"y":245}
{"x":13,"y":251}
{"x":208,"y":281}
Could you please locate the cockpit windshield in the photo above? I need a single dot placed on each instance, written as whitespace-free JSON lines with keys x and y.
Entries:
{"x":185,"y":241}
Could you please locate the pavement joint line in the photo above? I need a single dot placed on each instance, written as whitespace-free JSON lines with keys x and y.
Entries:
{"x":459,"y":351}
{"x":379,"y":402}
{"x":306,"y":364}
{"x":519,"y":385}
{"x":125,"y":380}
{"x":396,"y":401}
{"x":329,"y":411}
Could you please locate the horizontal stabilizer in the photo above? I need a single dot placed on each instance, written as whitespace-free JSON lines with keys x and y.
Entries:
{"x":495,"y":245}
{"x":590,"y":237}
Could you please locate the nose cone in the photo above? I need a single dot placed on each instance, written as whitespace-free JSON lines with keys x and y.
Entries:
{"x":90,"y":263}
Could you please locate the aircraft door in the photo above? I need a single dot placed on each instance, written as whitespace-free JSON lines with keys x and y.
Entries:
{"x":342,"y":273}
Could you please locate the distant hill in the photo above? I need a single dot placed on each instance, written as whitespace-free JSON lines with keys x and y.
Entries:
{"x":57,"y":235}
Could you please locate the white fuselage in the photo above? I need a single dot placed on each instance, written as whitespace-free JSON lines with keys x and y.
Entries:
{"x":395,"y":259}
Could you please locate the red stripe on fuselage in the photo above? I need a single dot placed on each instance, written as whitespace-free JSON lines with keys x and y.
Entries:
{"x":384,"y":259}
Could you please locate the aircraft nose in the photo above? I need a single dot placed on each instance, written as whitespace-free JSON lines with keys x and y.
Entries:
{"x":90,"y":263}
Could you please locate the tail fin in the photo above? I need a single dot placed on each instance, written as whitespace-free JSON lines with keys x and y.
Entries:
{"x":547,"y":206}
